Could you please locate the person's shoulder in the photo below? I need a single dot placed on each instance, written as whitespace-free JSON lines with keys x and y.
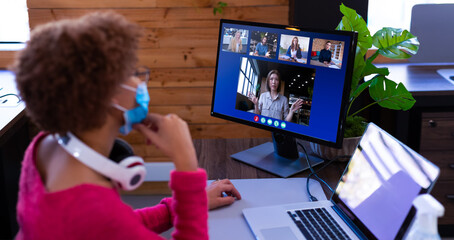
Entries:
{"x":264,"y":96}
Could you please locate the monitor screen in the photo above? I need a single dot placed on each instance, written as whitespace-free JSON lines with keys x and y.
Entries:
{"x":284,"y":79}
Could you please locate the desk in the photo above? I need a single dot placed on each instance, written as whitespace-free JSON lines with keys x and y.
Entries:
{"x":320,"y":64}
{"x":14,"y":140}
{"x":228,"y":222}
{"x":429,"y":126}
{"x":284,"y":57}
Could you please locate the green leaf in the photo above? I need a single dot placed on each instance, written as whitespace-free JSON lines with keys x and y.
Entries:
{"x":219,"y":7}
{"x":389,"y":94}
{"x":351,"y":21}
{"x":360,"y":89}
{"x":372,"y":69}
{"x":357,"y":70}
{"x":395,"y":43}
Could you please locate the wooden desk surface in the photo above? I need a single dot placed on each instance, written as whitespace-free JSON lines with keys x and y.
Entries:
{"x":214,"y":157}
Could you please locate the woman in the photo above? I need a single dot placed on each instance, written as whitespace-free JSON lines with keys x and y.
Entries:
{"x":272,"y":103}
{"x":294,"y":51}
{"x":76,"y":77}
{"x":235,"y":43}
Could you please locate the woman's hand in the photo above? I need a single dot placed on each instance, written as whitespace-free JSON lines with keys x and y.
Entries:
{"x":296,"y":105}
{"x":221,"y":193}
{"x":253,"y":98}
{"x":171,"y":135}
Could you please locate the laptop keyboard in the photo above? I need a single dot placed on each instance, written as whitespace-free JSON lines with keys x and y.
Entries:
{"x":317,"y":224}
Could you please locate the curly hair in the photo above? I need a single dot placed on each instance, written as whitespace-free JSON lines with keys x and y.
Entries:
{"x":71,"y":69}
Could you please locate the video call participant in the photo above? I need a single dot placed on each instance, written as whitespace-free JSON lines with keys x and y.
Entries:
{"x":235,"y":43}
{"x":262,"y":49}
{"x":294,"y":51}
{"x":325,"y":54}
{"x":71,"y":69}
{"x":272,"y":103}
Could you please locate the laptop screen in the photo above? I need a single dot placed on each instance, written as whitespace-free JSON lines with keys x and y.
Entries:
{"x":380,"y":183}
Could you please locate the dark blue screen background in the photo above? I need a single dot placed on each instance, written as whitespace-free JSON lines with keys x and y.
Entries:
{"x":327,"y":92}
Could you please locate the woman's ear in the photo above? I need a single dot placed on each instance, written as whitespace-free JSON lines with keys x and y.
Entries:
{"x":114,"y":100}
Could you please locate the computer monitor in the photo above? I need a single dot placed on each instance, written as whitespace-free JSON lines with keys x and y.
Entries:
{"x":262,"y":70}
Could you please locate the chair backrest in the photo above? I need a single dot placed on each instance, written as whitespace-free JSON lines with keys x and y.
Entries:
{"x":433,"y":25}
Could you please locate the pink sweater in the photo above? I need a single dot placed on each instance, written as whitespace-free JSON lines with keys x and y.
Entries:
{"x":88,"y":211}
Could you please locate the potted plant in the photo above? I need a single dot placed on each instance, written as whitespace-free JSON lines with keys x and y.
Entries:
{"x":391,"y":43}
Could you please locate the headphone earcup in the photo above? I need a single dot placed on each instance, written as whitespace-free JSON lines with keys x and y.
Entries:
{"x":120,"y":150}
{"x":135,"y":168}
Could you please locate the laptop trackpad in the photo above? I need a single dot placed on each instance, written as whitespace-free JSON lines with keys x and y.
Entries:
{"x":278,"y":233}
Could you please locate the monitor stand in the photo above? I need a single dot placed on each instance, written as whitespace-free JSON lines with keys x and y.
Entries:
{"x":280,"y":158}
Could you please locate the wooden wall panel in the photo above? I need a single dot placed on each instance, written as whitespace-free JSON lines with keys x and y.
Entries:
{"x":180,"y":96}
{"x":178,"y":57}
{"x":192,"y":114}
{"x":231,"y":130}
{"x":146,"y":3}
{"x":198,"y":131}
{"x":6,"y":58}
{"x":181,"y":38}
{"x":158,"y":17}
{"x":181,"y":77}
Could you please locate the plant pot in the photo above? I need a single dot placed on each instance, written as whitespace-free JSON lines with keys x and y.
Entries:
{"x":342,"y":154}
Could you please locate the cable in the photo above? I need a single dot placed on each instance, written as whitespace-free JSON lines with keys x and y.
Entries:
{"x":311,"y":197}
{"x":314,"y":173}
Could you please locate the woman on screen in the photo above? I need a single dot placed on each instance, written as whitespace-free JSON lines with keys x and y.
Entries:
{"x":81,"y":89}
{"x":294,"y":51}
{"x":272,"y":103}
{"x":235,"y":43}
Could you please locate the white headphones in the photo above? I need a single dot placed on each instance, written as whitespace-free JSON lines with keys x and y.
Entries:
{"x":128,"y":174}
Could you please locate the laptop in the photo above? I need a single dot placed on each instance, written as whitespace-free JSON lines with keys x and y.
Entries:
{"x":372,"y":200}
{"x":432,"y":24}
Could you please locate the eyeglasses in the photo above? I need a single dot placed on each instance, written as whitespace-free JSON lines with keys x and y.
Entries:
{"x":142,"y":73}
{"x":9,"y":100}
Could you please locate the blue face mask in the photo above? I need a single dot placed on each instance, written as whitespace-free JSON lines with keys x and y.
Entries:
{"x":137,"y":114}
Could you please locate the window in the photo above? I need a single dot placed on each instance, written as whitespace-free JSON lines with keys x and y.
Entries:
{"x":336,"y":50}
{"x":14,"y":26}
{"x":248,"y":78}
{"x":393,"y":13}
